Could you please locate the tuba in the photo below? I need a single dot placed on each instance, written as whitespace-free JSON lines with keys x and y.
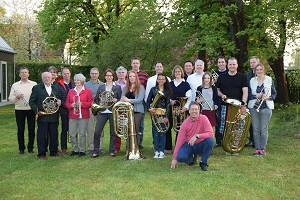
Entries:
{"x":123,"y":115}
{"x":49,"y":105}
{"x":236,"y":127}
{"x":160,"y":113}
{"x":178,"y":117}
{"x":105,"y":101}
{"x":203,"y":101}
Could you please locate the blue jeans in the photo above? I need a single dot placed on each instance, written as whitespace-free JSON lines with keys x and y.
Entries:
{"x":185,"y":153}
{"x":159,"y":140}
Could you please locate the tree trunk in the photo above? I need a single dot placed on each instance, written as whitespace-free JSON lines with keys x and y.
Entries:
{"x":202,"y":55}
{"x":282,"y":89}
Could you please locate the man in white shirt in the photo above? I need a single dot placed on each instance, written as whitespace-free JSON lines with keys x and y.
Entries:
{"x":195,"y":79}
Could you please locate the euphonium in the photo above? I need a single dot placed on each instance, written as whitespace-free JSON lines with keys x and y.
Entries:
{"x":236,"y":127}
{"x":160,"y":113}
{"x":178,"y":117}
{"x":49,"y":105}
{"x":123,"y":115}
{"x":214,"y":76}
{"x":203,"y":101}
{"x":105,"y":101}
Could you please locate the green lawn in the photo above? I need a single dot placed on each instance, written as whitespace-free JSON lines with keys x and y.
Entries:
{"x":275,"y":176}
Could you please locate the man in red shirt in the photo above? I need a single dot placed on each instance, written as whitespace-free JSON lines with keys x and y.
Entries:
{"x":195,"y":137}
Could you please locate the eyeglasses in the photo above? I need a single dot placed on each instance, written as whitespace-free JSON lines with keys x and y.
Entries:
{"x":109,"y":75}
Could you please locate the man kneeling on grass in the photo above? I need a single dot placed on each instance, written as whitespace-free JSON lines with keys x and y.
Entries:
{"x":195,"y":137}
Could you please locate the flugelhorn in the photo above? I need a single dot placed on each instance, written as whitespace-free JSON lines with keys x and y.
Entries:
{"x":259,"y":101}
{"x":77,"y":104}
{"x":22,"y":99}
{"x":160,"y":113}
{"x":105,"y":101}
{"x":49,"y":105}
{"x":178,"y":117}
{"x":203,"y":101}
{"x":236,"y":127}
{"x":123,"y":115}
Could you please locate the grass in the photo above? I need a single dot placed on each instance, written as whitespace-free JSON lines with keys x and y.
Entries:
{"x":275,"y":176}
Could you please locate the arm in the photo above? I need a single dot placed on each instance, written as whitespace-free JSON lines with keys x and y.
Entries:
{"x":87,"y":103}
{"x":140,"y":97}
{"x":33,"y":98}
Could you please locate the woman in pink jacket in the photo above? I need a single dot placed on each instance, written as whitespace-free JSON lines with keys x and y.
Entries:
{"x":78,"y":102}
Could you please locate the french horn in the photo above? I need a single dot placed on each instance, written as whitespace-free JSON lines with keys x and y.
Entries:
{"x":236,"y":126}
{"x":178,"y":117}
{"x":105,"y":102}
{"x":124,"y":126}
{"x":49,"y":105}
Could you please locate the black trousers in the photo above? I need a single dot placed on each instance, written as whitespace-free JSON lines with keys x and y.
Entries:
{"x":64,"y":131}
{"x":21,"y":116}
{"x":169,"y":143}
{"x":45,"y":129}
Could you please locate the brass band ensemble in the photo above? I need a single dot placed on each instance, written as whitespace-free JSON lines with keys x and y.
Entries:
{"x":205,"y":110}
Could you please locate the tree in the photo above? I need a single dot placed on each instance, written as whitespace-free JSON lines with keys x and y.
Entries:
{"x":242,"y":29}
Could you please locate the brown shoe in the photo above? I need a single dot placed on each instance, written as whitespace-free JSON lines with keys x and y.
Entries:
{"x":43,"y":157}
{"x":57,"y":155}
{"x":63,"y":151}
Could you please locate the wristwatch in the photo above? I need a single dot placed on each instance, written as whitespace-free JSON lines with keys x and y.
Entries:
{"x":196,"y":135}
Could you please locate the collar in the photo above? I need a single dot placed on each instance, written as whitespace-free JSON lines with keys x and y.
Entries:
{"x":114,"y":84}
{"x":20,"y":82}
{"x":124,"y":82}
{"x":98,"y":81}
{"x":83,"y":88}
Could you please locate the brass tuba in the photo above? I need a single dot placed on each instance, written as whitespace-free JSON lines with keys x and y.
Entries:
{"x":49,"y":105}
{"x":178,"y":117}
{"x":105,"y":101}
{"x":160,"y":113}
{"x":123,"y":115}
{"x":236,"y":127}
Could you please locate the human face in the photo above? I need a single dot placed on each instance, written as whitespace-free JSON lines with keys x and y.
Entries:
{"x":121,"y":74}
{"x":188,"y":67}
{"x":135,"y":64}
{"x":54,"y":73}
{"x":259,"y":71}
{"x":199,"y":67}
{"x":221,"y":64}
{"x":132,"y":77}
{"x":66,"y":74}
{"x":24,"y":74}
{"x":159,"y":68}
{"x":206,"y":79}
{"x":47,"y":78}
{"x":253,"y":63}
{"x":194,"y":111}
{"x":232,"y":66}
{"x":177,"y":73}
{"x":161,"y":80}
{"x":109,"y":77}
{"x":77,"y":82}
{"x":94,"y":75}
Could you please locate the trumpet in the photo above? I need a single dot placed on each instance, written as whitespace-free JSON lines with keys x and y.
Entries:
{"x":22,"y":99}
{"x":77,"y":104}
{"x":259,"y":101}
{"x":214,"y":76}
{"x":203,"y":101}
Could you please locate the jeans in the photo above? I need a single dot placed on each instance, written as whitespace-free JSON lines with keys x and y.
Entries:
{"x":159,"y":140}
{"x":205,"y":147}
{"x":260,"y":123}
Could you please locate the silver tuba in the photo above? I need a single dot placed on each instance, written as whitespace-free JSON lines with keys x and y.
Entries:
{"x":123,"y":115}
{"x":105,"y":101}
{"x":49,"y":105}
{"x":160,"y":113}
{"x":178,"y":117}
{"x":236,"y":127}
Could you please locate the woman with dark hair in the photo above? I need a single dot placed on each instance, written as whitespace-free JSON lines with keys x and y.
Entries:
{"x":162,"y":85}
{"x":261,"y":95}
{"x":134,"y":93}
{"x":111,"y":90}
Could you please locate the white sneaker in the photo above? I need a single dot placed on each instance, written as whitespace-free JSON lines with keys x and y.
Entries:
{"x":161,"y":155}
{"x":156,"y":154}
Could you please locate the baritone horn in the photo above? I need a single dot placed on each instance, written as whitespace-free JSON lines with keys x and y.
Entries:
{"x":105,"y":102}
{"x":203,"y":101}
{"x":236,"y":127}
{"x":49,"y":105}
{"x":160,"y":113}
{"x":124,"y":126}
{"x":178,"y":117}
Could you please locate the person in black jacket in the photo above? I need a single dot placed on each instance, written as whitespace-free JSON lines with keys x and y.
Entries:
{"x":162,"y":85}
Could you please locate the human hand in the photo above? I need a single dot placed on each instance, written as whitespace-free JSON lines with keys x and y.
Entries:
{"x":183,"y":109}
{"x":58,"y":102}
{"x":174,"y":164}
{"x":165,"y":120}
{"x":192,"y":141}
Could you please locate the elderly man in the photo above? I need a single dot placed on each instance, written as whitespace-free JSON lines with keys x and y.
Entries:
{"x":195,"y":137}
{"x":19,"y":95}
{"x":195,"y":79}
{"x":93,"y":84}
{"x":47,"y":120}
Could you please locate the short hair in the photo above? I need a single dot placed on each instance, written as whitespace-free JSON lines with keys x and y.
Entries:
{"x":255,"y":57}
{"x":111,"y":71}
{"x":135,"y":58}
{"x":22,"y":68}
{"x":233,"y":58}
{"x":94,"y":68}
{"x":210,"y":82}
{"x":52,"y":68}
{"x":121,"y":68}
{"x":66,"y":68}
{"x":80,"y":77}
{"x":222,"y":57}
{"x":194,"y":103}
{"x":189,"y":62}
{"x":200,"y":61}
{"x":181,"y":71}
{"x":44,"y":74}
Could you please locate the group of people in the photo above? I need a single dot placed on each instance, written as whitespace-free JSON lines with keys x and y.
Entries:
{"x":158,"y":94}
